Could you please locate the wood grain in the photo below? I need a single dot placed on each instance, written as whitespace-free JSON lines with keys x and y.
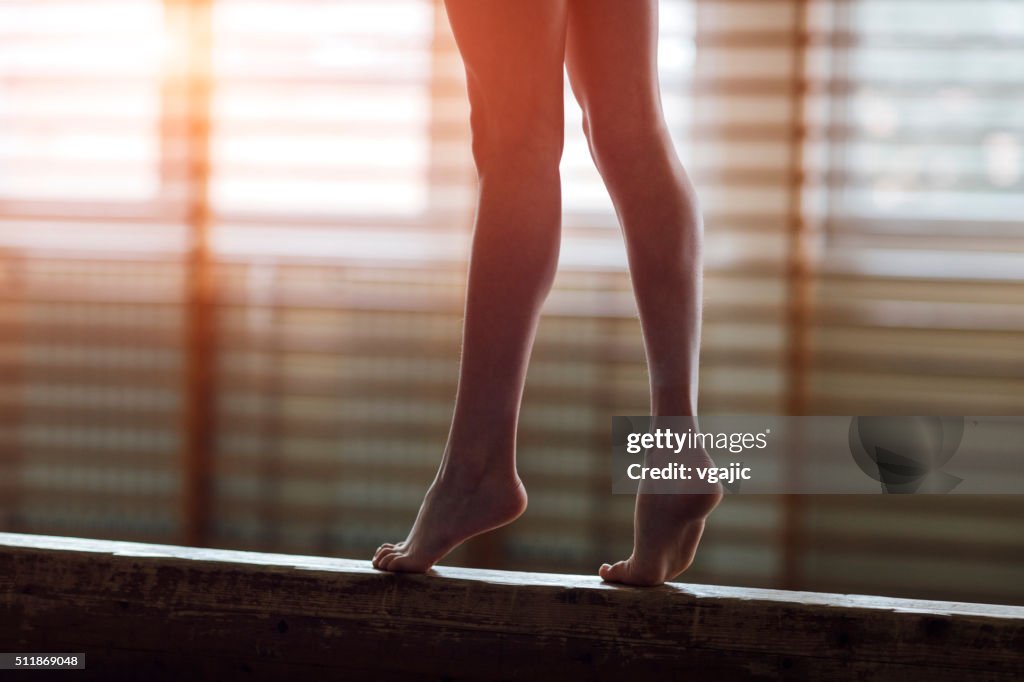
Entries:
{"x":161,"y":612}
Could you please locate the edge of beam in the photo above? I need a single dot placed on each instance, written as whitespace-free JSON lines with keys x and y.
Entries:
{"x":689,"y":591}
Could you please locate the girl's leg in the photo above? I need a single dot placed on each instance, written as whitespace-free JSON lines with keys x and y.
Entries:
{"x":513,"y":52}
{"x":611,"y":53}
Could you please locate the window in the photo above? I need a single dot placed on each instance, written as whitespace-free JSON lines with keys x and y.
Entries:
{"x":80,"y":101}
{"x":859,"y":166}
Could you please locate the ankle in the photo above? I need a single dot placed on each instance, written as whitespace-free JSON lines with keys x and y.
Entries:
{"x":479,"y":452}
{"x":673,"y":402}
{"x":471,"y":478}
{"x":473,"y":468}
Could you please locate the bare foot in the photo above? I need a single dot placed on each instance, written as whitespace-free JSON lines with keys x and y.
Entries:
{"x":666,"y":531}
{"x":455,"y":509}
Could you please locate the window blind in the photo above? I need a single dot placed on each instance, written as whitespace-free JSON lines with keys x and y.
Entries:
{"x":90,"y":252}
{"x":918,"y":274}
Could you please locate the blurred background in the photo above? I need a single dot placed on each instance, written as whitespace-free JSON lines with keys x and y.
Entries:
{"x":233,"y":240}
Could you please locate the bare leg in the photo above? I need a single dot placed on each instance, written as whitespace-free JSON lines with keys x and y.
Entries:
{"x":514,"y":54}
{"x":611,"y":53}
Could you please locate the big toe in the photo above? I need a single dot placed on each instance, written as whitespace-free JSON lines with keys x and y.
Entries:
{"x":629,"y":573}
{"x":614,"y":573}
{"x":382,"y":554}
{"x":382,"y":550}
{"x":407,"y":563}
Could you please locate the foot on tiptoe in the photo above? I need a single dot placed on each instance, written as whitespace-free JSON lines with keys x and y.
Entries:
{"x":667,"y":529}
{"x":457,"y":507}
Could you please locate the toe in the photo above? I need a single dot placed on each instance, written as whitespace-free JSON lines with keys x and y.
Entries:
{"x":385,"y":561}
{"x":379,"y":558}
{"x":613,"y":573}
{"x":629,"y":573}
{"x":386,"y":547}
{"x":407,"y":564}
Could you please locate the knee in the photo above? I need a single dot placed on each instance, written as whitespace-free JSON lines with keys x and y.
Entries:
{"x":622,"y":140}
{"x":529,"y":143}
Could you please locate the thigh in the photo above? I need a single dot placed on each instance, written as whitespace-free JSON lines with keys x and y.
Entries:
{"x":514,"y":53}
{"x":612,"y":59}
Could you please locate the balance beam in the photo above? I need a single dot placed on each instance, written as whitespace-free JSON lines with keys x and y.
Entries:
{"x":141,"y":611}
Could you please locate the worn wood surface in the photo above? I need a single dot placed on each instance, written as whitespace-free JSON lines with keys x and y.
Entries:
{"x":161,"y":612}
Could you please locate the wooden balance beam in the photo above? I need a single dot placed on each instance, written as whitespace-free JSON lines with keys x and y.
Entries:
{"x":160,"y":612}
